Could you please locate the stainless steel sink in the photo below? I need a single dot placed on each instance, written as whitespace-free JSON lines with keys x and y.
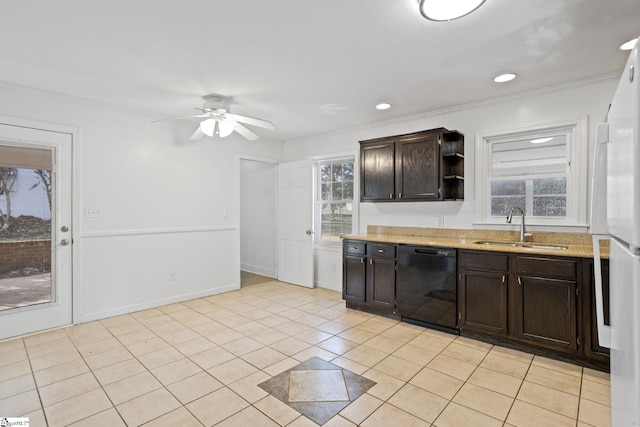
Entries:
{"x":522,"y":245}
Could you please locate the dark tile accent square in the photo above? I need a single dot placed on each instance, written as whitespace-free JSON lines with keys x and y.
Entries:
{"x":325,"y":404}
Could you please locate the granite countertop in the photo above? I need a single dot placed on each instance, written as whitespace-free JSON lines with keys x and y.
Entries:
{"x":578,"y":244}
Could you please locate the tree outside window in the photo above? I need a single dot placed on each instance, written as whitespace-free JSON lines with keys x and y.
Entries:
{"x":334,"y":200}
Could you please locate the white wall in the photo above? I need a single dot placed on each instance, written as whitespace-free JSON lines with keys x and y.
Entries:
{"x":551,"y":105}
{"x":328,"y":267}
{"x":258,"y":207}
{"x":162,"y":197}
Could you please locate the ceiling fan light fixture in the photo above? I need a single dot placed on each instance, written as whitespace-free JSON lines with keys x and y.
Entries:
{"x":225,"y":126}
{"x":447,"y":10}
{"x":208,"y":126}
{"x":217,"y":119}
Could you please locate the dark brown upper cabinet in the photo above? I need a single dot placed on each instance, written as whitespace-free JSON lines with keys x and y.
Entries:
{"x":421,"y":166}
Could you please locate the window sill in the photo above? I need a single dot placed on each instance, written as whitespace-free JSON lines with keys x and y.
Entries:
{"x":575,"y":228}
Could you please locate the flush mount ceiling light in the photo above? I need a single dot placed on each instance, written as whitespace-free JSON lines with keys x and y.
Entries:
{"x":503,"y":78}
{"x":447,"y":10}
{"x":383,"y":106}
{"x":629,"y":44}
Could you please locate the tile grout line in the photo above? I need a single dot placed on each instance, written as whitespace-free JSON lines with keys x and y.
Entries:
{"x":94,"y":375}
{"x":35,"y":383}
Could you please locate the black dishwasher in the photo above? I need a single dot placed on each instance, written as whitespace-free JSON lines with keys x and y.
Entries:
{"x":426,"y":286}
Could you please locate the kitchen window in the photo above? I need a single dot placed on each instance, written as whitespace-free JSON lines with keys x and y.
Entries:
{"x":541,"y":169}
{"x":334,"y":198}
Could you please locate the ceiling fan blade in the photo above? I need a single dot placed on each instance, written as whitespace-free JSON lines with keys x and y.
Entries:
{"x":245,"y":132}
{"x":179,"y":118}
{"x":253,"y":121}
{"x":197,"y":134}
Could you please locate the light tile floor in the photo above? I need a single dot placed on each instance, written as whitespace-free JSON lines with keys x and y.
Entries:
{"x":200,"y":362}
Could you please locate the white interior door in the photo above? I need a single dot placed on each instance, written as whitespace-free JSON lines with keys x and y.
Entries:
{"x":295,"y":219}
{"x":36,"y":291}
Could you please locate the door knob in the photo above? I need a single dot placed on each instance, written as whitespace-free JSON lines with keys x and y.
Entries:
{"x":308,"y":231}
{"x":64,"y":228}
{"x":64,"y":242}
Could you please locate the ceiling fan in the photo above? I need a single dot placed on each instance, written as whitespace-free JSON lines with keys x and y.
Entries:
{"x":218,"y":120}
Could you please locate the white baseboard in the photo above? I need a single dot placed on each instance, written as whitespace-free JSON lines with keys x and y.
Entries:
{"x":330,"y":286}
{"x":263,"y":271}
{"x":89,"y":317}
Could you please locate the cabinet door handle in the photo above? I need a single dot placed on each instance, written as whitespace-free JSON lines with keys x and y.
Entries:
{"x":519,"y":281}
{"x":391,"y":195}
{"x":399,"y":195}
{"x":354,"y":248}
{"x":380,"y":251}
{"x":504,"y":278}
{"x":371,"y":261}
{"x":361,"y":260}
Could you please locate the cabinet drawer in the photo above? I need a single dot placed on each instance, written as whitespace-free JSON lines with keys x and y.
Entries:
{"x":354,"y":248}
{"x":484,"y":261}
{"x":381,"y":250}
{"x":553,"y":268}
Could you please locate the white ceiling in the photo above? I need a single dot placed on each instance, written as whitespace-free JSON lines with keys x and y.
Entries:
{"x":308,"y":66}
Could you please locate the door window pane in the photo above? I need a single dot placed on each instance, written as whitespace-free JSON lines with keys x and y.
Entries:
{"x":25,"y":227}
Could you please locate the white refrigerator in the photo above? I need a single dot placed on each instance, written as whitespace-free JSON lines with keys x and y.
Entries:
{"x":615,"y":216}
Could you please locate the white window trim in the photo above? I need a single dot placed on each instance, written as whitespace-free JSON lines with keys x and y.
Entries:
{"x":356,"y":196}
{"x":576,"y":183}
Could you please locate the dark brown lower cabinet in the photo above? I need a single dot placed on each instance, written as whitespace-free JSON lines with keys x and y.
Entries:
{"x":381,"y":283}
{"x":369,"y":276}
{"x":532,"y":302}
{"x":483,"y":283}
{"x":546,"y":312}
{"x":482,"y":301}
{"x":354,"y":271}
{"x":545,"y":303}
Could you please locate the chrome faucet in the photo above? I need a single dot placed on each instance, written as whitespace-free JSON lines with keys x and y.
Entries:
{"x":523,"y":234}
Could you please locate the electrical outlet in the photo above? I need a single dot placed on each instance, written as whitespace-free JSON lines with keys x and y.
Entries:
{"x":225,"y":213}
{"x":172,"y":276}
{"x":440,"y":221}
{"x":93,"y":212}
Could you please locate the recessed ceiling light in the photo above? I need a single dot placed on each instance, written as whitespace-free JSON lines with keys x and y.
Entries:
{"x":540,"y":140}
{"x":447,"y":10}
{"x":383,"y":106}
{"x":629,"y":44}
{"x":506,"y":77}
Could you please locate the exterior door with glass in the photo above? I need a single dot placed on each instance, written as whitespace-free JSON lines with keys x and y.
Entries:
{"x":35,"y":229}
